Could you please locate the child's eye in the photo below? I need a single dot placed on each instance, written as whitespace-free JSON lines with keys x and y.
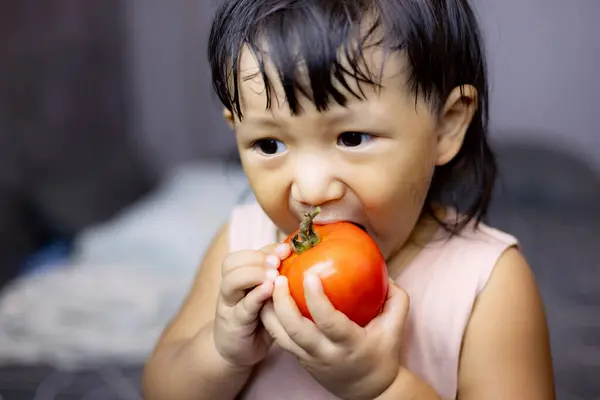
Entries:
{"x":269,"y":147}
{"x":354,"y":139}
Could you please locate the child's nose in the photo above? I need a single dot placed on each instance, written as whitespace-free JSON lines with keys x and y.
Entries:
{"x":315,"y":183}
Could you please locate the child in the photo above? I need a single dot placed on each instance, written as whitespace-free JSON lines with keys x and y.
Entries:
{"x":376,"y":111}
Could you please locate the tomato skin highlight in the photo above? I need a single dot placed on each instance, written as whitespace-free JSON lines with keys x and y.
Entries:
{"x":351,"y":267}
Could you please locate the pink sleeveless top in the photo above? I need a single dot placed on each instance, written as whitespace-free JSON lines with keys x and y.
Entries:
{"x":443,"y":281}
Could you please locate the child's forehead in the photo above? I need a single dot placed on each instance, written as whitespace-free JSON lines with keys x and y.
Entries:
{"x":389,"y":69}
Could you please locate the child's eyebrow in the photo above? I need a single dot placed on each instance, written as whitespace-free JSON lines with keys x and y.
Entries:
{"x":331,"y":117}
{"x":261,"y":121}
{"x":334,"y":116}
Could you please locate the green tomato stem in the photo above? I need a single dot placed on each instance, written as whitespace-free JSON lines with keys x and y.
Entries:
{"x":306,"y":238}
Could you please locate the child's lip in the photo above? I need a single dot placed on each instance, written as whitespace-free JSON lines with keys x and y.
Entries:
{"x":327,"y":221}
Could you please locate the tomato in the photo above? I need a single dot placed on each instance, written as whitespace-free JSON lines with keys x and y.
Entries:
{"x":349,"y":263}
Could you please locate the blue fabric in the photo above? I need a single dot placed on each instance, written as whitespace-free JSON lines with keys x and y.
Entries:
{"x":48,"y":257}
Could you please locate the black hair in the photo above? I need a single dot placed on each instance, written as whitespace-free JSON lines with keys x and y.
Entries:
{"x":440,"y":38}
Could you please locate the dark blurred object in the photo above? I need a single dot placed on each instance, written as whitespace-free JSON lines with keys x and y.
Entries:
{"x":549,"y":198}
{"x":544,"y":176}
{"x":67,"y":159}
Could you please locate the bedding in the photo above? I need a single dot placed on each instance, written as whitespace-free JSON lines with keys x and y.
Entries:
{"x":124,"y":280}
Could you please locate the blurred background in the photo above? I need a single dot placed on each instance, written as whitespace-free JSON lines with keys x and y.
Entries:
{"x":116,"y":169}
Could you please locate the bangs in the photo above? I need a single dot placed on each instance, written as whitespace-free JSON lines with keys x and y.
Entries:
{"x":315,"y":48}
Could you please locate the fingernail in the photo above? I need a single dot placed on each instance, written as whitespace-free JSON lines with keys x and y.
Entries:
{"x":311,"y":280}
{"x":282,"y":250}
{"x":272,"y":261}
{"x":272,"y":274}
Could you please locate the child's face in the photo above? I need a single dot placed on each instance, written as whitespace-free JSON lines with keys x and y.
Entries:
{"x":370,"y":162}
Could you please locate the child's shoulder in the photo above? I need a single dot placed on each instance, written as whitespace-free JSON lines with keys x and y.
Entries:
{"x":468,"y":257}
{"x":481,"y":237}
{"x":486,"y":234}
{"x":250,"y":227}
{"x":481,"y":243}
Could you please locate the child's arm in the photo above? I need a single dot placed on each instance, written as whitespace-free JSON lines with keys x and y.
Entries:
{"x":506,"y":350}
{"x":186,"y":363}
{"x":408,"y":386}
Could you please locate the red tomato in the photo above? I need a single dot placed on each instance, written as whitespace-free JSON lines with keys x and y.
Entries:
{"x":351,"y":267}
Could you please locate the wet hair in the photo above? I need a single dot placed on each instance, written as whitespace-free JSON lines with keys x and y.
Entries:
{"x":440,"y":39}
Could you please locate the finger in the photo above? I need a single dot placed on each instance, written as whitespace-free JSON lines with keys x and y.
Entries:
{"x":281,"y":250}
{"x":300,"y":329}
{"x":271,"y":323}
{"x":395,"y":310}
{"x":248,"y":309}
{"x":334,"y":324}
{"x":236,"y":283}
{"x":246,"y":258}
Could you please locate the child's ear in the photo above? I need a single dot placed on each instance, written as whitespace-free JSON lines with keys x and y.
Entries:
{"x":454,"y":120}
{"x":228,"y":115}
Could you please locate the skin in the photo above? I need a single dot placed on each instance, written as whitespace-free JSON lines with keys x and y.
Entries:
{"x":380,"y":184}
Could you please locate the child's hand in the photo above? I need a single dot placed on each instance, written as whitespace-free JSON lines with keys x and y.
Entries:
{"x":247,"y":282}
{"x":349,"y":361}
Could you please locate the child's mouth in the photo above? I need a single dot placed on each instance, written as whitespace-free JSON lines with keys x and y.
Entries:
{"x":360,"y":226}
{"x":331,"y":219}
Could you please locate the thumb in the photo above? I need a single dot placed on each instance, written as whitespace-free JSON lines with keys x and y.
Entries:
{"x":396,"y":308}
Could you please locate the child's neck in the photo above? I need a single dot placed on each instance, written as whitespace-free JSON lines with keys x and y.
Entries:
{"x":424,"y":231}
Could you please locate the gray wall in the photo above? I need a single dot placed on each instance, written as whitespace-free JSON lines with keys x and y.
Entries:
{"x":544,"y":56}
{"x":177,"y":116}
